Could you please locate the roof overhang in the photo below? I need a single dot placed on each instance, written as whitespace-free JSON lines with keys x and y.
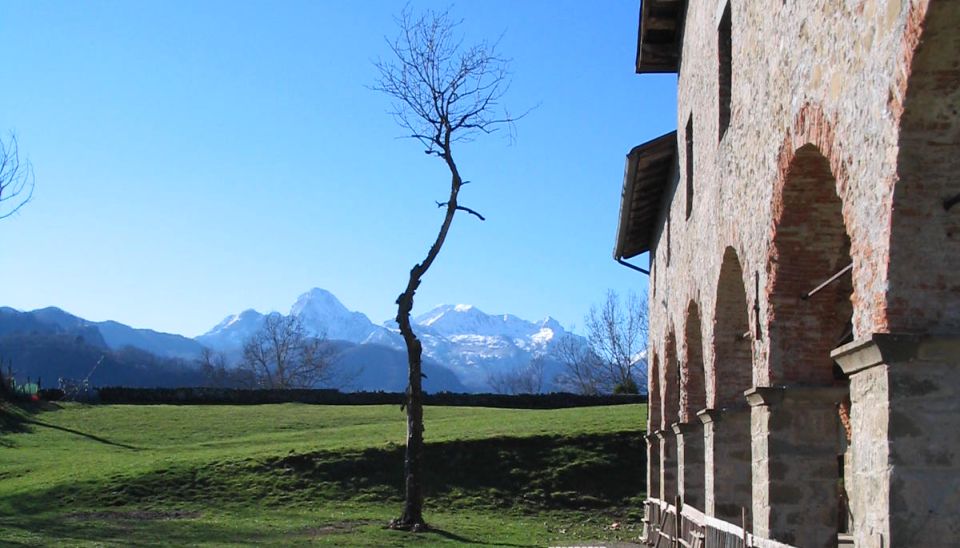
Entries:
{"x":660,"y":35}
{"x":648,"y":174}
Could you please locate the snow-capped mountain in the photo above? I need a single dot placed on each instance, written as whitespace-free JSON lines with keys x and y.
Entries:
{"x":232,"y":331}
{"x":323,"y":314}
{"x":475,"y":344}
{"x":462,"y":338}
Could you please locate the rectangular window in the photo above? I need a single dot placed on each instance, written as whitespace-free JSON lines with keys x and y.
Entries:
{"x":725,"y":75}
{"x":689,"y":170}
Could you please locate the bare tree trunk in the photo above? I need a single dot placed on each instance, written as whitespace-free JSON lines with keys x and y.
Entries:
{"x":412,"y":517}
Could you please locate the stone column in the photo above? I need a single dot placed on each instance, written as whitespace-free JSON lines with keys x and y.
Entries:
{"x":653,"y":466}
{"x":905,"y":414}
{"x":690,"y":462}
{"x":668,"y":465}
{"x":795,"y":433}
{"x":727,"y":471}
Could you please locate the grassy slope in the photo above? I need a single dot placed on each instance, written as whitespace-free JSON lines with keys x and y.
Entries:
{"x":291,"y":474}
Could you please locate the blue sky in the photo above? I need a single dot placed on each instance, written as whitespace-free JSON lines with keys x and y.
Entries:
{"x":194,"y":159}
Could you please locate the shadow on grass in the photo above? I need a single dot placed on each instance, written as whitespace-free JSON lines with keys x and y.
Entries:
{"x":120,"y":532}
{"x":16,"y":418}
{"x":535,"y":473}
{"x":589,"y":471}
{"x":82,"y":434}
{"x":517,"y":475}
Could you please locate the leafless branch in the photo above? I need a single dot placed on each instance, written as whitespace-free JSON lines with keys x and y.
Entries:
{"x":614,"y":356}
{"x":464,"y":209}
{"x":281,"y":355}
{"x":16,"y":178}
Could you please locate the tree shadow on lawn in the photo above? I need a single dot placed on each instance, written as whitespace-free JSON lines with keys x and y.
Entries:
{"x":16,"y":418}
{"x":517,"y":475}
{"x":64,"y":529}
{"x":589,"y":471}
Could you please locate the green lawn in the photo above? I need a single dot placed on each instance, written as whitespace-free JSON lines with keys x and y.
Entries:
{"x":294,"y":474}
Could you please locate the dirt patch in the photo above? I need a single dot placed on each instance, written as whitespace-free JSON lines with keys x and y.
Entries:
{"x":133,"y":515}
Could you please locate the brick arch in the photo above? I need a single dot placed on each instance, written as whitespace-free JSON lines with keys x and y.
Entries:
{"x":923,"y":290}
{"x":653,"y":394}
{"x":810,"y":243}
{"x":669,"y":384}
{"x":693,"y":396}
{"x":732,"y":340}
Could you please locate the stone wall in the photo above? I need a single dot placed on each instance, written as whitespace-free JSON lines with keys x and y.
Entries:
{"x":841,"y":146}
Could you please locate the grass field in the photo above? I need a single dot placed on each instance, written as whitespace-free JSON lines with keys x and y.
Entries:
{"x":294,"y":474}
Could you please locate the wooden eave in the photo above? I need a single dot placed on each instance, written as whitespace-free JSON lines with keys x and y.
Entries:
{"x":660,"y":35}
{"x":647,"y":177}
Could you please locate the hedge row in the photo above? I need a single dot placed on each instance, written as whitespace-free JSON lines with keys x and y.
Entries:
{"x":213,"y":396}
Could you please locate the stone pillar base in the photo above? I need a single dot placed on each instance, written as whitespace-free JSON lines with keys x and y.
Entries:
{"x":727,"y":480}
{"x":653,"y":465}
{"x":796,"y":473}
{"x":668,"y":465}
{"x":905,"y":394}
{"x":690,"y":463}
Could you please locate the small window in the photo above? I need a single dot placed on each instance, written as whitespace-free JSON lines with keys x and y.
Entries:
{"x":689,"y":170}
{"x":725,"y":74}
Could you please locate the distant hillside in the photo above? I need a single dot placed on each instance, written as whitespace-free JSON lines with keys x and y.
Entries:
{"x":54,"y":355}
{"x":109,"y":334}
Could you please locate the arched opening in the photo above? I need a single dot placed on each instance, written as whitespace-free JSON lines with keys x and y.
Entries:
{"x":653,"y":424}
{"x":670,"y":414}
{"x":811,"y":314}
{"x":727,"y":432}
{"x":693,"y":399}
{"x":653,"y":394}
{"x":733,"y":356}
{"x":924,"y":270}
{"x":670,"y":385}
{"x":693,"y":395}
{"x":811,"y":308}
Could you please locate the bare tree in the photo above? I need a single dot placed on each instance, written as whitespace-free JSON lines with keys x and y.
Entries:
{"x":16,"y":178}
{"x":614,"y":357}
{"x":281,"y":355}
{"x":444,"y":93}
{"x":219,"y":374}
{"x":524,"y":380}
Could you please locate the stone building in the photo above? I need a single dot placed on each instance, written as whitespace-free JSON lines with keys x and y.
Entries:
{"x":803,"y":228}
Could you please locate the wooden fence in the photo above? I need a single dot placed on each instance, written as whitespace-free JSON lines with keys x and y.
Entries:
{"x":664,"y":527}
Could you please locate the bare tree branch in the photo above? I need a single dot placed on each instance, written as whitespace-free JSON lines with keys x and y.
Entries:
{"x":614,"y":357}
{"x":281,"y":355}
{"x":16,"y":178}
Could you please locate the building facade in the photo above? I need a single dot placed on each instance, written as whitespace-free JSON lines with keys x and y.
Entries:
{"x":803,"y":226}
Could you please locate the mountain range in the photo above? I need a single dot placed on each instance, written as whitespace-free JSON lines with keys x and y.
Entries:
{"x":463,"y":346}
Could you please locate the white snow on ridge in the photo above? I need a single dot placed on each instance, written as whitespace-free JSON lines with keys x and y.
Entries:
{"x":461,"y":337}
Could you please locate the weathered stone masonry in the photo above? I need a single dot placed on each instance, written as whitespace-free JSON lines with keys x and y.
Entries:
{"x":817,"y":140}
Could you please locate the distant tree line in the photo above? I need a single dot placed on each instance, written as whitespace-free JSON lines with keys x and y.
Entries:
{"x":240,"y":396}
{"x":612,"y":361}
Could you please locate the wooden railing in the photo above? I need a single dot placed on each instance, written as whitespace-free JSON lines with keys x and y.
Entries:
{"x":662,"y":523}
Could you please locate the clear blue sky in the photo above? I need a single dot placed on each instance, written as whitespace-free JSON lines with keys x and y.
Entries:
{"x":194,"y":159}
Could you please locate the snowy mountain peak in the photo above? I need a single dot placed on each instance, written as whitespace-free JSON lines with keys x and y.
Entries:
{"x":323,"y":314}
{"x":319,"y":300}
{"x":461,"y":319}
